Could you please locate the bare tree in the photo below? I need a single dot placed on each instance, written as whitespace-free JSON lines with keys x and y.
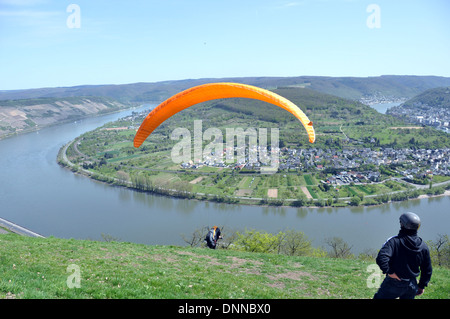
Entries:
{"x":109,"y":238}
{"x":197,"y":237}
{"x":441,"y":248}
{"x":340,"y":249}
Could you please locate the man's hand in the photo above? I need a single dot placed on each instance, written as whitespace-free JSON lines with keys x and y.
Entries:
{"x":394,"y":276}
{"x":419,"y":291}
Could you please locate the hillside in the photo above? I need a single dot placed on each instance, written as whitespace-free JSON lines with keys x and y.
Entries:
{"x":120,"y":270}
{"x":434,"y":98}
{"x":430,"y":108}
{"x":338,"y":122}
{"x":389,"y":86}
{"x":18,"y":116}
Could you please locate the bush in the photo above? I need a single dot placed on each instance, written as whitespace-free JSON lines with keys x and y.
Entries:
{"x":292,"y":243}
{"x":355,"y":201}
{"x":254,"y":241}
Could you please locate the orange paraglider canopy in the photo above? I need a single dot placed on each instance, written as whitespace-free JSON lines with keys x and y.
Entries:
{"x":212,"y":91}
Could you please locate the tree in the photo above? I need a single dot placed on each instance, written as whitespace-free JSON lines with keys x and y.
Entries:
{"x":355,"y":201}
{"x":197,"y":237}
{"x":440,"y":250}
{"x":300,"y":201}
{"x":295,"y":243}
{"x":340,"y":249}
{"x":123,"y":177}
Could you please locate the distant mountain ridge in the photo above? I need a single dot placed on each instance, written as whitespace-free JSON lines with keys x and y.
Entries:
{"x":393,"y":86}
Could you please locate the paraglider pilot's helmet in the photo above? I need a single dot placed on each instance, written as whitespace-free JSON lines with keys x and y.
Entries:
{"x":410,"y":221}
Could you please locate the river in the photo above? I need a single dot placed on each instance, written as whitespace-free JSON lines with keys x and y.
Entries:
{"x":36,"y":193}
{"x":383,"y":107}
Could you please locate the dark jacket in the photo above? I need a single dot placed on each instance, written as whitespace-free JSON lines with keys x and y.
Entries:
{"x":212,"y":237}
{"x":407,"y":256}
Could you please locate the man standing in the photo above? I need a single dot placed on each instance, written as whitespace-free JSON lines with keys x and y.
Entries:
{"x":403,"y":258}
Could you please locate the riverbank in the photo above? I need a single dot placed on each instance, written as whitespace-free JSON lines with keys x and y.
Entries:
{"x":446,"y":193}
{"x":72,"y":119}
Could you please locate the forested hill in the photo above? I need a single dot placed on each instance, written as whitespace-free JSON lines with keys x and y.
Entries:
{"x":337,"y":121}
{"x":430,"y":108}
{"x":437,"y":97}
{"x":390,"y":86}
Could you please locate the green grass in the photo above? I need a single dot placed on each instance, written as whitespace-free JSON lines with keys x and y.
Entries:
{"x":309,"y":180}
{"x":38,"y":268}
{"x":312,"y":192}
{"x":364,"y":189}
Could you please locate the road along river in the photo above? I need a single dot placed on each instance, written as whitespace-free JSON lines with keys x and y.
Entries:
{"x":36,"y":193}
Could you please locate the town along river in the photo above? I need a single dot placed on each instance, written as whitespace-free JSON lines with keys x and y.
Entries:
{"x":36,"y":193}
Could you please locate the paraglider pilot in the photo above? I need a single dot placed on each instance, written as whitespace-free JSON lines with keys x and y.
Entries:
{"x":212,"y":237}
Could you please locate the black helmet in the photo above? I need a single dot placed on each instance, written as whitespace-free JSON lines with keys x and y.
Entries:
{"x":410,"y":221}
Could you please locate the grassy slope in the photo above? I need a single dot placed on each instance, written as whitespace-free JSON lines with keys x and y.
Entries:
{"x":37,"y":268}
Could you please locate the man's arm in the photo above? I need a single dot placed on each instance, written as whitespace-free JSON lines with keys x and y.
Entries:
{"x":384,"y":256}
{"x":425,"y":271}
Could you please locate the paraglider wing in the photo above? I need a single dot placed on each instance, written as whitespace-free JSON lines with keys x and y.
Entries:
{"x":212,"y":91}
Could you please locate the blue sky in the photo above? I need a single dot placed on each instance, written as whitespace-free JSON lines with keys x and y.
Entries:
{"x":132,"y":41}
